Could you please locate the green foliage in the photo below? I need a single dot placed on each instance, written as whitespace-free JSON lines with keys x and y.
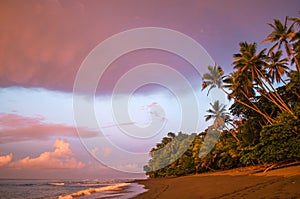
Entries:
{"x":206,"y":152}
{"x":278,"y":142}
{"x":249,"y":130}
{"x":225,"y":154}
{"x":172,"y":152}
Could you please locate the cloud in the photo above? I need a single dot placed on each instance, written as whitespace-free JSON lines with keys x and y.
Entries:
{"x":118,"y":124}
{"x":152,"y":105}
{"x":5,"y":159}
{"x":129,"y":167}
{"x":106,"y":151}
{"x":102,"y":151}
{"x":60,"y":158}
{"x":14,"y":128}
{"x":156,"y":112}
{"x":95,"y":151}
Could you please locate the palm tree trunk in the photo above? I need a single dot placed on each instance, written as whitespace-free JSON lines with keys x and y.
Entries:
{"x":255,"y":108}
{"x":296,"y":62}
{"x":233,"y":133}
{"x":273,"y":92}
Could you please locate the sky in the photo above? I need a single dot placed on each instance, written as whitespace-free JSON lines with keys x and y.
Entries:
{"x":64,"y":114}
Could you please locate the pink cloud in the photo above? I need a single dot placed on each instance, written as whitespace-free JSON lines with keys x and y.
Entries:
{"x":102,"y":151}
{"x":60,"y":158}
{"x":118,"y":124}
{"x":15,"y":128}
{"x":155,"y":113}
{"x":152,"y":104}
{"x":149,"y":106}
{"x":5,"y":159}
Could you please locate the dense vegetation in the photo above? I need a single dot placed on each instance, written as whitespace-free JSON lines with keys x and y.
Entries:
{"x":265,"y":89}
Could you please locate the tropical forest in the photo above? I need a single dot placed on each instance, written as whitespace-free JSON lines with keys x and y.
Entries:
{"x":261,"y":125}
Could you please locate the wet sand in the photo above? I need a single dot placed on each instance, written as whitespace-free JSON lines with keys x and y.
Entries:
{"x":237,"y":183}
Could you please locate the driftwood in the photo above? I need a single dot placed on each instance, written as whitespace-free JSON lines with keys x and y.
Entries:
{"x":269,"y":167}
{"x":280,"y":165}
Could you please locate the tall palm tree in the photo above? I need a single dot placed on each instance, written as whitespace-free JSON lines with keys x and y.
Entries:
{"x":248,"y":62}
{"x":218,"y":113}
{"x":282,"y":34}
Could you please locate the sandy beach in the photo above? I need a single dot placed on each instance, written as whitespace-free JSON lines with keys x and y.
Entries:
{"x":236,"y":183}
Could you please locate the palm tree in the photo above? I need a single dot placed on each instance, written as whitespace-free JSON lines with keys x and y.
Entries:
{"x":250,"y":64}
{"x":282,"y":34}
{"x":220,"y":116}
{"x":213,"y":79}
{"x":277,"y":67}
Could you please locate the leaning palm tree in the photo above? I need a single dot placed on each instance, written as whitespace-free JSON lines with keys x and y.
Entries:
{"x":251,"y":64}
{"x":282,"y":34}
{"x":218,"y":113}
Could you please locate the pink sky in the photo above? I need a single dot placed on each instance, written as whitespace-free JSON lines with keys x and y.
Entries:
{"x":43,"y":43}
{"x":40,"y":38}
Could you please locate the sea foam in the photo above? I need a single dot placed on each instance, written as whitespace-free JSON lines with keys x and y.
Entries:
{"x":57,"y":183}
{"x":89,"y":191}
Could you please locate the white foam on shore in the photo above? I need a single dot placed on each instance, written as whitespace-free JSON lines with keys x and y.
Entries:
{"x":86,"y":192}
{"x":57,"y":183}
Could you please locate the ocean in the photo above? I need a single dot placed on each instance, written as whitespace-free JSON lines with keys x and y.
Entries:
{"x":67,"y":189}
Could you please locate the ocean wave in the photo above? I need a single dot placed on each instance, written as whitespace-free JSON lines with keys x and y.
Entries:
{"x":57,"y":183}
{"x":89,"y":191}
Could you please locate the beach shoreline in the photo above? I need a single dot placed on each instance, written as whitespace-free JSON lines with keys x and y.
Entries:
{"x":250,"y":182}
